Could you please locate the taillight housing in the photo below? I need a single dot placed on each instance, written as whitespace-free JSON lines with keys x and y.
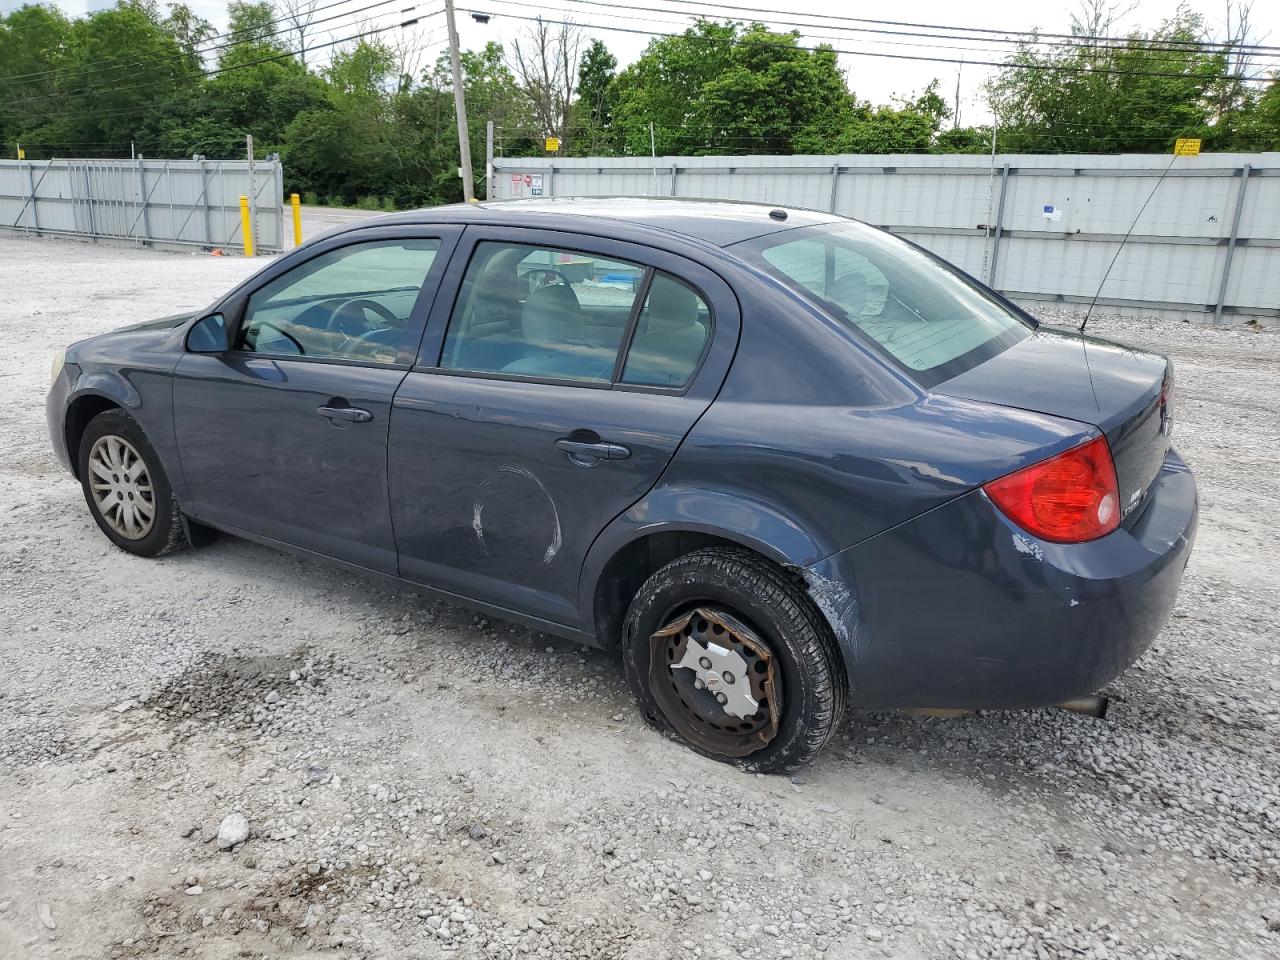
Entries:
{"x":1070,"y":498}
{"x":1166,"y":404}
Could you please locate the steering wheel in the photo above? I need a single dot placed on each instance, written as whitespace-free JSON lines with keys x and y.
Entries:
{"x":297,"y":345}
{"x":548,"y":275}
{"x":349,"y":321}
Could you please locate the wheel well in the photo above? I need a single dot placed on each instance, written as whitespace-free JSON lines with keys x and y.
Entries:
{"x":82,"y":410}
{"x":628,"y":569}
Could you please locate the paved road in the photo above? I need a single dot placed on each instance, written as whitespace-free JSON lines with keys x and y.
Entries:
{"x":316,"y":220}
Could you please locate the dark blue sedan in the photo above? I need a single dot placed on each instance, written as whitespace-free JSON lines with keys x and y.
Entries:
{"x":779,"y":459}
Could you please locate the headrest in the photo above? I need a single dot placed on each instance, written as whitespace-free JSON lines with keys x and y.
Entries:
{"x":672,"y":305}
{"x":552,"y":315}
{"x":850,"y":292}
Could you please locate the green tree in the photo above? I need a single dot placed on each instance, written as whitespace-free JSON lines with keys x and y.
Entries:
{"x":189,"y":29}
{"x":1262,"y":122}
{"x":119,"y":64}
{"x":730,"y":88}
{"x":593,"y":111}
{"x":252,"y":23}
{"x":34,"y":47}
{"x":1135,"y":96}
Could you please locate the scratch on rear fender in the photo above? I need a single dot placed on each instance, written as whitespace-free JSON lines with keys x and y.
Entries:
{"x":837,"y":603}
{"x":1028,"y":547}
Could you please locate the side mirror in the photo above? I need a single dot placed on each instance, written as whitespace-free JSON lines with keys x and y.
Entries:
{"x":208,"y":335}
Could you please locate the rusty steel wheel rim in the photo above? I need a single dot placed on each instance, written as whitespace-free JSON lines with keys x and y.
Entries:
{"x":717,"y":681}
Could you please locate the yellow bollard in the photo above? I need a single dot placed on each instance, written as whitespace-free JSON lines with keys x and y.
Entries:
{"x":246,"y":229}
{"x":296,"y":203}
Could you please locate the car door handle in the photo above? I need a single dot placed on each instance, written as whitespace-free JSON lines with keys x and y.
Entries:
{"x":350,"y":414}
{"x":583,"y":452}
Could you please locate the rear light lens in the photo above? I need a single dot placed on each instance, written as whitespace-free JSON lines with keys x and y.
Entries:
{"x":1166,"y":404}
{"x":1070,"y":498}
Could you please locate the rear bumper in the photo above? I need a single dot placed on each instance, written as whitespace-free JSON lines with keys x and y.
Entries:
{"x":960,"y":608}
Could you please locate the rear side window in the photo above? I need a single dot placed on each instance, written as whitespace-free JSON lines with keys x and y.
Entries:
{"x":671,"y":333}
{"x":923,"y":315}
{"x":541,"y":312}
{"x":558,"y":314}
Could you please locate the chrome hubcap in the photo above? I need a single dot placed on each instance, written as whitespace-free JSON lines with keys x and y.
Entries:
{"x":122,"y":487}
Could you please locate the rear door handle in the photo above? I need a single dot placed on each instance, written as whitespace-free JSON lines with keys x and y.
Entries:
{"x":350,"y":414}
{"x":583,"y":452}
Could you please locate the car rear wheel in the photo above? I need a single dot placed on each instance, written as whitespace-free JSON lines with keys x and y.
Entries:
{"x":126,"y":488}
{"x":726,"y":652}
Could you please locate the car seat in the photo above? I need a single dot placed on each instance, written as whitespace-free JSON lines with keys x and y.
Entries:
{"x":671,"y":344}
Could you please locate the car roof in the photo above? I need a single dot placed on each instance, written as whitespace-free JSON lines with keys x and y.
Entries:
{"x":720,"y":222}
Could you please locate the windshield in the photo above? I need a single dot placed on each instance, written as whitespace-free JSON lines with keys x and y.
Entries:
{"x":923,"y":315}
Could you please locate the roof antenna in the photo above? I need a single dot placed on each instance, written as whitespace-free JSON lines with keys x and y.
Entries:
{"x":1141,"y":210}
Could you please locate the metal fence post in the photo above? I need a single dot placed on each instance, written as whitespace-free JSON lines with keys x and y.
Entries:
{"x":142,"y":203}
{"x":835,"y":185}
{"x":1231,"y":243}
{"x":31,"y":198}
{"x":674,"y":171}
{"x":279,"y":180}
{"x":88,"y":193}
{"x":488,"y":160}
{"x":253,"y":194}
{"x":995,"y":241}
{"x":204,"y":193}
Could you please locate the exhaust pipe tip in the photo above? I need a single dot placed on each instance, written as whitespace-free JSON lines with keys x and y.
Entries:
{"x":1091,"y":706}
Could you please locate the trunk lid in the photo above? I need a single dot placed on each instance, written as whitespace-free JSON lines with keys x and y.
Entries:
{"x":1120,"y":390}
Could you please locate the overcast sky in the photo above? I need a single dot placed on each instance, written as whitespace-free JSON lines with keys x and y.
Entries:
{"x":876,"y":78}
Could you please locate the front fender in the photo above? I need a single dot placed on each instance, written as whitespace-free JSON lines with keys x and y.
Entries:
{"x":72,"y":387}
{"x":108,"y":384}
{"x":134,"y":371}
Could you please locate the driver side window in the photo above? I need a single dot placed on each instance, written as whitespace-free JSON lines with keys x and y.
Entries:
{"x":352,"y":303}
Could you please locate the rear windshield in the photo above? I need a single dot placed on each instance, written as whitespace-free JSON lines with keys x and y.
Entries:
{"x":923,"y":315}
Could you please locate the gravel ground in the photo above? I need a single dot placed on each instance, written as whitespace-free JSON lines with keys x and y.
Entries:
{"x":415,"y":780}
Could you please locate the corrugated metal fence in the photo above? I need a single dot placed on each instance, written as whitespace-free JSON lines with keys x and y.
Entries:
{"x":183,"y":202}
{"x":1039,"y":228}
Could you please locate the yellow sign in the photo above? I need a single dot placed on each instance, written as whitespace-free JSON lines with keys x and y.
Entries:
{"x":553,"y":144}
{"x":22,"y":154}
{"x":1187,"y":147}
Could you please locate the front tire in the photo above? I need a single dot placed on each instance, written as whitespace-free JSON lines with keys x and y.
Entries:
{"x":726,"y":652}
{"x":126,"y":488}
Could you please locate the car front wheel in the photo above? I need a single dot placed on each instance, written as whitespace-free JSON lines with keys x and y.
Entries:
{"x":126,"y":488}
{"x":726,"y":651}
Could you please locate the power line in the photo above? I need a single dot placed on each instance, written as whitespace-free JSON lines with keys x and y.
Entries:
{"x":1044,"y":67}
{"x":1231,"y":45}
{"x":1122,"y":44}
{"x":243,"y":66}
{"x":1135,"y":45}
{"x":255,"y":37}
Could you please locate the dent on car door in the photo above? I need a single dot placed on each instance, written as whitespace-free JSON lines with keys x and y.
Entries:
{"x":558,"y":376}
{"x":284,"y":435}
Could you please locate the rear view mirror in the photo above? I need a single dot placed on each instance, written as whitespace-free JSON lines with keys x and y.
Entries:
{"x":208,"y":335}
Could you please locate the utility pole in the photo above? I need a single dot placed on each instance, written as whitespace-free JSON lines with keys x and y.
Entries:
{"x":460,"y":106}
{"x":955,"y":116}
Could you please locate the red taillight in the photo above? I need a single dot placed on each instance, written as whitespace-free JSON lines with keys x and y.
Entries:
{"x":1069,"y":498}
{"x":1166,"y":404}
